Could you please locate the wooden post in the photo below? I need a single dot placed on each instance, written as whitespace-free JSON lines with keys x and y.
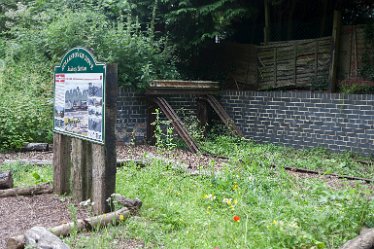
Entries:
{"x":61,"y":164}
{"x":82,"y":170}
{"x":316,"y":58}
{"x":267,"y":23}
{"x":87,"y":174}
{"x":104,"y":157}
{"x":202,"y":113}
{"x":151,"y":117}
{"x":335,"y":51}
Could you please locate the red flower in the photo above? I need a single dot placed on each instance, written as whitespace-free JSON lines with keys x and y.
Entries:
{"x":236,"y":218}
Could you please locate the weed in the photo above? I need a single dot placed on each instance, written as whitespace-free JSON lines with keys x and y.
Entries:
{"x":164,"y":140}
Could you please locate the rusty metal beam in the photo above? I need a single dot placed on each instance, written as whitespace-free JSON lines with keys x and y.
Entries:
{"x":176,"y":122}
{"x":223,"y":115}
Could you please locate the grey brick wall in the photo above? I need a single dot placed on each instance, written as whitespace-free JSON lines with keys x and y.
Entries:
{"x":338,"y":122}
{"x":131,"y":116}
{"x":132,"y":113}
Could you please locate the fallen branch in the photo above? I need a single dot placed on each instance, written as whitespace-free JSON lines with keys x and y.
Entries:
{"x":364,"y":241}
{"x":34,"y":190}
{"x":6,"y":180}
{"x":18,"y":242}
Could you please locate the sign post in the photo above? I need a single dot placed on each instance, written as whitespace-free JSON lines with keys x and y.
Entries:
{"x":85,"y":95}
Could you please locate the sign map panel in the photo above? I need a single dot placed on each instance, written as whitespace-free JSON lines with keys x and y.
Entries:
{"x":79,"y":96}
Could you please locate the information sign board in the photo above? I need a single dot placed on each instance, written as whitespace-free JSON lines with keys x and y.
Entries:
{"x":79,"y":96}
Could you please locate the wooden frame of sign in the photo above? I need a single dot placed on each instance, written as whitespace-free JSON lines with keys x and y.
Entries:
{"x":84,"y":151}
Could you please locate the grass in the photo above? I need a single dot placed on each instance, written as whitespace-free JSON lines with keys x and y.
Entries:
{"x":28,"y":175}
{"x":275,"y":210}
{"x":181,"y":211}
{"x":314,"y":159}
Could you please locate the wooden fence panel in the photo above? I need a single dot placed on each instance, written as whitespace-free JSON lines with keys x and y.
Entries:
{"x":293,"y":63}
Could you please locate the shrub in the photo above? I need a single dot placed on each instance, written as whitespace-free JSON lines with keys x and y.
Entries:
{"x":24,"y":119}
{"x":140,"y":56}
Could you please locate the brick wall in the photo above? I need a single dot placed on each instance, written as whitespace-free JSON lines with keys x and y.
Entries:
{"x":132,"y":113}
{"x":301,"y":119}
{"x":131,"y":116}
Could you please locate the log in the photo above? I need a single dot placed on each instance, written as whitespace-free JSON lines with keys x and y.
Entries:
{"x":364,"y":241}
{"x":36,"y":147}
{"x":29,"y":162}
{"x":41,"y":238}
{"x":34,"y":190}
{"x":18,"y":242}
{"x":6,"y":180}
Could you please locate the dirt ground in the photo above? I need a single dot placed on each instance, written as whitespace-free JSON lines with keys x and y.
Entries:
{"x":18,"y":214}
{"x":193,"y":161}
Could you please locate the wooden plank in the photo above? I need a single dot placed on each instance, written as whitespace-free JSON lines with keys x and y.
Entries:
{"x":151,"y":118}
{"x":267,"y":22}
{"x":81,"y":173}
{"x":104,"y":156}
{"x":87,"y":173}
{"x":202,"y":114}
{"x":326,"y":39}
{"x":335,"y":51}
{"x":61,"y":164}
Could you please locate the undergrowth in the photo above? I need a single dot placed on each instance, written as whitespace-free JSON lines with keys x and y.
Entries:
{"x":314,"y":159}
{"x":274,"y":210}
{"x":246,"y":204}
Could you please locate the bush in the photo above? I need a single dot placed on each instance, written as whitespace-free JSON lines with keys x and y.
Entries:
{"x":37,"y":37}
{"x":26,"y":106}
{"x":140,"y":56}
{"x":24,"y":119}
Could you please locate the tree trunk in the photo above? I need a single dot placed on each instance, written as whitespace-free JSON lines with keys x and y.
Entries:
{"x":290,"y":22}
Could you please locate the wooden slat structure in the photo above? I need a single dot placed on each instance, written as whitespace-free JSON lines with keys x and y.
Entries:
{"x":293,"y":63}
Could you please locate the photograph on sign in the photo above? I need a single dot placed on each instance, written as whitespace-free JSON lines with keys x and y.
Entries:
{"x":78,"y":109}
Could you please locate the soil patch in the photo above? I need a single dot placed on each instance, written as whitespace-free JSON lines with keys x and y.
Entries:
{"x":18,"y":214}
